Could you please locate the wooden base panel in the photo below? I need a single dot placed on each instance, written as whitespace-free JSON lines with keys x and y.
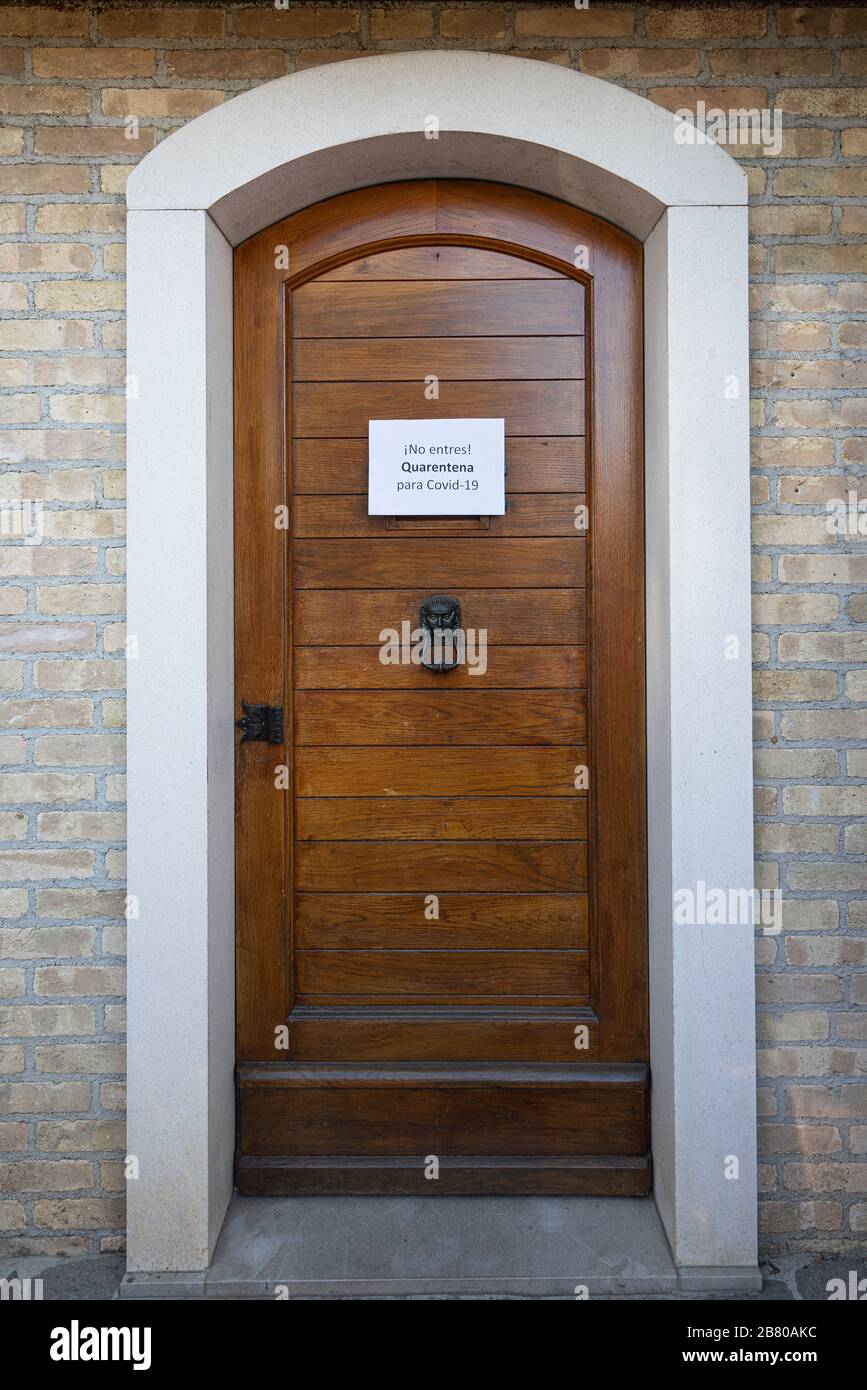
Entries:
{"x":369,"y":1177}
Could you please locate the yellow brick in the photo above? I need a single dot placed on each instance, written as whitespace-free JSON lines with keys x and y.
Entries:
{"x":13,"y":825}
{"x":810,"y":182}
{"x":44,"y":335}
{"x":43,"y":1097}
{"x":79,"y":675}
{"x":47,"y":1020}
{"x":44,"y":561}
{"x":770,"y":62}
{"x":56,"y":258}
{"x":792,"y":687}
{"x":114,"y":258}
{"x":22,"y":409}
{"x":12,"y":1216}
{"x":11,"y":1062}
{"x":46,"y":787}
{"x":11,"y":983}
{"x":83,"y":525}
{"x":114,"y":713}
{"x":80,"y":1136}
{"x":13,"y":218}
{"x":113,"y":177}
{"x":58,"y":599}
{"x":35,"y":943}
{"x":823,"y":569}
{"x":69,"y":219}
{"x":297,"y":22}
{"x":87,"y":409}
{"x":115,"y":864}
{"x":73,"y":1213}
{"x":772,"y":609}
{"x":79,"y":902}
{"x":94,"y":63}
{"x":24,"y":864}
{"x":155,"y":102}
{"x":690,"y":23}
{"x":94,"y":142}
{"x":77,"y":296}
{"x":791,"y":530}
{"x":473,"y":24}
{"x":92,"y":980}
{"x":566,"y":22}
{"x":78,"y":750}
{"x":46,"y":1175}
{"x":50,"y":99}
{"x":831,"y":102}
{"x":773,"y":220}
{"x":12,"y":600}
{"x":243,"y":64}
{"x":33,"y":21}
{"x":80,"y":825}
{"x":11,"y":142}
{"x":11,"y":675}
{"x":400,"y":24}
{"x":820,"y":22}
{"x":178,"y":22}
{"x":85,"y":1058}
{"x":641,"y":62}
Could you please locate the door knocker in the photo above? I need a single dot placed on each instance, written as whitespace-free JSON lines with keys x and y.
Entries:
{"x":440,"y":617}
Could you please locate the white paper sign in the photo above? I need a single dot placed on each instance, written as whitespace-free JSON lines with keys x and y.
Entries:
{"x":436,"y":468}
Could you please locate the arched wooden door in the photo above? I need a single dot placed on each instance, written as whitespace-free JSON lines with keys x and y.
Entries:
{"x":441,"y":911}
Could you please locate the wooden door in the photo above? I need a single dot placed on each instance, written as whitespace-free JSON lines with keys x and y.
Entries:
{"x":441,"y":916}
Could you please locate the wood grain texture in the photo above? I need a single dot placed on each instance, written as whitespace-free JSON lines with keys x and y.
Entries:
{"x":421,"y":975}
{"x":505,"y":771}
{"x":436,"y":308}
{"x":542,"y":464}
{"x":472,"y":921}
{"x":344,"y":409}
{"x":527,"y":514}
{"x":541,"y":888}
{"x":450,"y":359}
{"x":502,"y":866}
{"x":511,"y":617}
{"x":507,"y":668}
{"x":452,"y":717}
{"x":438,"y":565}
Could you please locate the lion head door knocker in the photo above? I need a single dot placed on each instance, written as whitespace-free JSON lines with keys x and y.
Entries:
{"x":440,"y":618}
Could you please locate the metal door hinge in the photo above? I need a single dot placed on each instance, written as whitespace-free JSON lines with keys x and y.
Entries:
{"x":261,"y":723}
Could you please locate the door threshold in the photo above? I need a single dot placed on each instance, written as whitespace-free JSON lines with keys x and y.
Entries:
{"x":456,"y":1247}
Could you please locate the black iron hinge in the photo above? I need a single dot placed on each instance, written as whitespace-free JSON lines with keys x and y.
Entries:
{"x":261,"y":723}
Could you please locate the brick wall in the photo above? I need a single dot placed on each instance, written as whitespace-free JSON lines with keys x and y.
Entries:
{"x":70,"y":79}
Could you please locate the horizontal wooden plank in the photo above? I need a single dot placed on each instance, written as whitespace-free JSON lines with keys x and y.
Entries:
{"x":436,"y":772}
{"x":344,"y":409}
{"x":540,"y":464}
{"x":470,"y":866}
{"x":524,"y":617}
{"x":441,"y":308}
{"x":527,"y":514}
{"x":556,"y":921}
{"x":602,"y":1176}
{"x":446,"y":1118}
{"x":441,"y":818}
{"x":453,"y":717}
{"x":448,"y":359}
{"x":439,"y":565}
{"x":440,"y":263}
{"x":452,"y":1035}
{"x":419,"y":974}
{"x":516,"y":668}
